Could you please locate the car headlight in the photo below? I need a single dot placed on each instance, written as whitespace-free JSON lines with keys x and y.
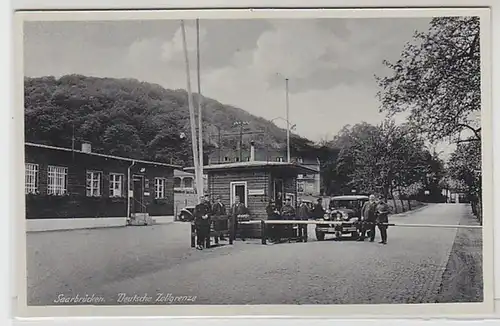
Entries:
{"x":326,"y":216}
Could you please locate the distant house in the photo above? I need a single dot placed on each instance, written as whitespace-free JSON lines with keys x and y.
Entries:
{"x":66,"y":187}
{"x":307,"y":184}
{"x":184,"y":182}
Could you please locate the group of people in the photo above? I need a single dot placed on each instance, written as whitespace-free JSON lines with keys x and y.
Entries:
{"x":374,"y":213}
{"x":205,"y":210}
{"x":277,"y":211}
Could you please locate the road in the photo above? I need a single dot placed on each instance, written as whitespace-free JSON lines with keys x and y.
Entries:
{"x":158,"y":259}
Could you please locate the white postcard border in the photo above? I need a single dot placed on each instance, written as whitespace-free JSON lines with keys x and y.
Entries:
{"x":462,"y":310}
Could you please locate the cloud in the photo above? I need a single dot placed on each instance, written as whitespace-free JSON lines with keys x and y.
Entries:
{"x":173,"y":50}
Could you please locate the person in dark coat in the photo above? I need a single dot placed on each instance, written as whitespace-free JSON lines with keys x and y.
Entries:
{"x":368,"y":216}
{"x":303,"y":214}
{"x":383,"y":217}
{"x":219,"y":209}
{"x":202,"y":223}
{"x":318,"y":210}
{"x":287,"y":213}
{"x":238,"y":209}
{"x":273,"y":214}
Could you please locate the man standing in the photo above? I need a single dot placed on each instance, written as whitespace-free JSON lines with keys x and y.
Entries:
{"x":238,"y":209}
{"x":368,"y":216}
{"x":202,"y":223}
{"x":302,"y":215}
{"x":383,"y":217}
{"x":318,"y":210}
{"x":219,"y":209}
{"x":288,"y":213}
{"x":273,"y":214}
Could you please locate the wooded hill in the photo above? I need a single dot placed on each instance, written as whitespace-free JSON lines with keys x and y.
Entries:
{"x":126,"y":117}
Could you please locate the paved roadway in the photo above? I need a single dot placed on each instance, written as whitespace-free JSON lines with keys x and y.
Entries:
{"x":158,"y":259}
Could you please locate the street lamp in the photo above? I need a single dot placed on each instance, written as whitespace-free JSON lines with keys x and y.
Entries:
{"x":288,"y":128}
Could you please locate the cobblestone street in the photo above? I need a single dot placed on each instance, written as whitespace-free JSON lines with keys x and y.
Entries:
{"x":158,"y":259}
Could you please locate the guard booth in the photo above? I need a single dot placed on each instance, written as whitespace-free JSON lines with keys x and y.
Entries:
{"x":255,"y":183}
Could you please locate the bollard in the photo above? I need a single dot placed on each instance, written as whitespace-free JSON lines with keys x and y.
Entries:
{"x":263,"y":232}
{"x":193,"y":236}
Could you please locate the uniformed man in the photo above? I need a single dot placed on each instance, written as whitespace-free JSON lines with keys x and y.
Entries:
{"x":303,"y":214}
{"x":288,"y":213}
{"x":383,"y":217}
{"x":368,"y":217}
{"x":238,"y":209}
{"x":219,"y":209}
{"x":202,"y":223}
{"x":318,"y":210}
{"x":273,"y":214}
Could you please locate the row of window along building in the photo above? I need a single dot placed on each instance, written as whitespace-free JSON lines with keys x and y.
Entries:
{"x":67,"y":183}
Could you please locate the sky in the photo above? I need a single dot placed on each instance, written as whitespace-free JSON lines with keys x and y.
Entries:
{"x":330,"y":63}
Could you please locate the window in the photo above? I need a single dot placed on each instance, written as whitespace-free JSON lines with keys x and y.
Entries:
{"x":247,"y":158}
{"x":279,"y":159}
{"x":236,"y":159}
{"x":226,"y":159}
{"x":31,"y":178}
{"x":116,"y":185}
{"x":159,"y":188}
{"x":300,"y":176}
{"x":57,"y":180}
{"x":93,"y":183}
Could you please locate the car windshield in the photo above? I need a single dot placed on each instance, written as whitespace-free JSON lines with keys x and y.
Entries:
{"x":350,"y":204}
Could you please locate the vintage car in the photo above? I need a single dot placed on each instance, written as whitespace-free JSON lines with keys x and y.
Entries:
{"x":344,"y":209}
{"x":186,"y":214}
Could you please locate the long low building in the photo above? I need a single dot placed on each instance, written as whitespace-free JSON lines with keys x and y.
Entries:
{"x":67,"y":189}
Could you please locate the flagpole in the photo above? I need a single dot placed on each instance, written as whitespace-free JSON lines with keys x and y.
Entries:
{"x":192,"y":118}
{"x":200,"y":125}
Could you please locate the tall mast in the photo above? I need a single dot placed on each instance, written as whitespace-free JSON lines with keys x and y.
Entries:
{"x":200,"y":125}
{"x":192,"y":118}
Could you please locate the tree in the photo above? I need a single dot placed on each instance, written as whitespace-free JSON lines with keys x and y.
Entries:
{"x":437,"y":79}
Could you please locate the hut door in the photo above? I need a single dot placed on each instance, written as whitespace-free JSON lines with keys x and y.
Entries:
{"x":138,"y":199}
{"x":239,"y":189}
{"x":278,"y":192}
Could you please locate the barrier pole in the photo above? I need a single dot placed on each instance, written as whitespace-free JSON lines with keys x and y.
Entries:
{"x":263,"y":232}
{"x":193,"y":236}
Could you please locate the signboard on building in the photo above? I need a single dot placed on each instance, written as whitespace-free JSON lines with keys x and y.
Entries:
{"x":256,"y":192}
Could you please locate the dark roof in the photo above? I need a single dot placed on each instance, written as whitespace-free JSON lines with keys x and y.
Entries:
{"x":255,"y":164}
{"x":102,"y":155}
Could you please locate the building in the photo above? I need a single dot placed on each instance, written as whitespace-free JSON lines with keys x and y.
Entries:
{"x":255,"y":183}
{"x":184,"y":182}
{"x":68,"y":188}
{"x":308,"y":183}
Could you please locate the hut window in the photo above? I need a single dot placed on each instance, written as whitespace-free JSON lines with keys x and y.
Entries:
{"x":177,"y":182}
{"x":31,"y":178}
{"x":159,"y":188}
{"x":57,"y":180}
{"x":94,"y":183}
{"x":115,"y":185}
{"x":188,"y":182}
{"x":279,"y":159}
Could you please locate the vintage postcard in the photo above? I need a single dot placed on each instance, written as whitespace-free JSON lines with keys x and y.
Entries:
{"x":324,"y":163}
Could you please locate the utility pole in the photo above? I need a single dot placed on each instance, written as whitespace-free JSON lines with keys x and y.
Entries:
{"x":192,"y":118}
{"x":287,"y":123}
{"x":241,"y":124}
{"x":219,"y":144}
{"x":200,"y":125}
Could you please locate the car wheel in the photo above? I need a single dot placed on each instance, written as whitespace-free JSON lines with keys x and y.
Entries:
{"x":320,"y":236}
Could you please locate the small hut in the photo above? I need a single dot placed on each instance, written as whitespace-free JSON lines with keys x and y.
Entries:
{"x":255,"y":183}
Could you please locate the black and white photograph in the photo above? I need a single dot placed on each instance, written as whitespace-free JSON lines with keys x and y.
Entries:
{"x":262,"y":159}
